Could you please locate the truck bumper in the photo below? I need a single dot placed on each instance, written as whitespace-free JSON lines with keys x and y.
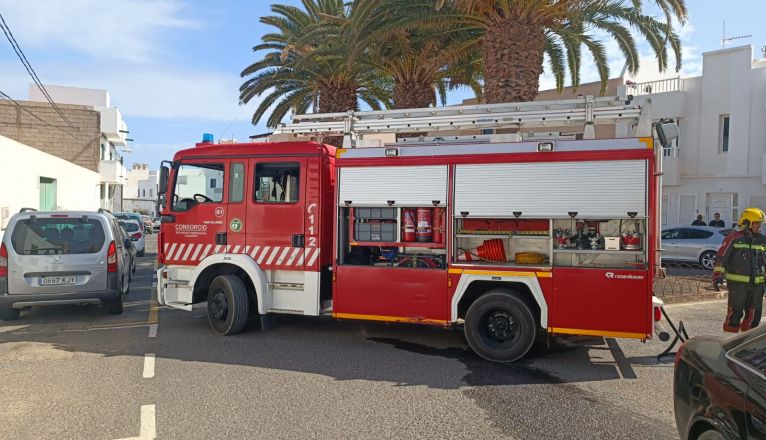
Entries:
{"x":161,"y":285}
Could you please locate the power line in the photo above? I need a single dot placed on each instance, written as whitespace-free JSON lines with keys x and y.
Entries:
{"x":30,"y":70}
{"x":17,"y":104}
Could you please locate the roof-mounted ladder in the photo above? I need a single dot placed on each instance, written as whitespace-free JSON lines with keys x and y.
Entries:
{"x":587,"y":111}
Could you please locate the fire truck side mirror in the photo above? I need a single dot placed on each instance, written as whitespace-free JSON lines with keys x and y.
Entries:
{"x":163,"y":183}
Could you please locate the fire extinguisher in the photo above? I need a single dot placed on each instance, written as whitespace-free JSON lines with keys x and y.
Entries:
{"x":424,"y":231}
{"x":408,"y":224}
{"x":439,"y":225}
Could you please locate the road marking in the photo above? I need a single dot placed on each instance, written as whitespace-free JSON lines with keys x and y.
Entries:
{"x":153,"y":331}
{"x":115,"y":325}
{"x":148,"y":424}
{"x":149,"y":365}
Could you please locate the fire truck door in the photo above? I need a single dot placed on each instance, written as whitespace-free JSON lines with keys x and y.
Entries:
{"x":275,"y":214}
{"x":236,"y":208}
{"x":198,"y":208}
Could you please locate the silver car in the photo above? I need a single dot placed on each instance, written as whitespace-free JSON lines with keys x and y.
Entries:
{"x":63,"y":257}
{"x":696,"y":244}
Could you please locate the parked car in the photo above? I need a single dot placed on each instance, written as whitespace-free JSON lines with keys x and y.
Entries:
{"x":131,"y":248}
{"x":719,"y":387}
{"x":133,"y":228}
{"x":131,"y":216}
{"x":63,"y":257}
{"x":157,"y":223}
{"x":148,"y":224}
{"x":695,"y":244}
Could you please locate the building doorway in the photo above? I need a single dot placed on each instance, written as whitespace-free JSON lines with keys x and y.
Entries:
{"x":47,"y":194}
{"x":722,"y":203}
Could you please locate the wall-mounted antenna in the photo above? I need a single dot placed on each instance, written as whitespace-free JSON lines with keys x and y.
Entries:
{"x":725,"y":39}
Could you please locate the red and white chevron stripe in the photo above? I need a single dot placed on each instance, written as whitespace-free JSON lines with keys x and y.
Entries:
{"x":271,"y":257}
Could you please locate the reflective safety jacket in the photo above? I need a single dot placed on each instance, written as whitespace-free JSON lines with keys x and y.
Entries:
{"x":742,"y":257}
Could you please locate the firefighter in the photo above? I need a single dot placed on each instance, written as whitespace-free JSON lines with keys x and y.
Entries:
{"x":741,"y":260}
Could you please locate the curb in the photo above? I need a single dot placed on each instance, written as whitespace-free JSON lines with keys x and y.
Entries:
{"x":695,"y":297}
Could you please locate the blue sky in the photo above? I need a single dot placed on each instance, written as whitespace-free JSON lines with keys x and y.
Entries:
{"x":172,"y":66}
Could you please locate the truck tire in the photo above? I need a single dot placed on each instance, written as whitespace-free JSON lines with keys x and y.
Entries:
{"x":9,"y":314}
{"x":227,"y":305}
{"x":500,"y":326}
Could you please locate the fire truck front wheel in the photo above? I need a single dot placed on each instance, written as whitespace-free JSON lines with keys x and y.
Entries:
{"x":227,"y":305}
{"x":500,"y":326}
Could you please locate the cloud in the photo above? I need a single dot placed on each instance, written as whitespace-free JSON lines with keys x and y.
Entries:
{"x":150,"y":91}
{"x":118,"y":29}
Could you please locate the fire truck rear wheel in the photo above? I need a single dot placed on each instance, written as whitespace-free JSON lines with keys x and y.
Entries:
{"x":500,"y":326}
{"x":227,"y":305}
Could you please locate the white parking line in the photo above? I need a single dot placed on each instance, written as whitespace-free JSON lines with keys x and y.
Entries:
{"x":148,"y":424}
{"x":149,"y":365}
{"x":153,"y":331}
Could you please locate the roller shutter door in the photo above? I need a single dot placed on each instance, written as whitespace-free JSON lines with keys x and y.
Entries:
{"x":406,"y":185}
{"x":596,"y":189}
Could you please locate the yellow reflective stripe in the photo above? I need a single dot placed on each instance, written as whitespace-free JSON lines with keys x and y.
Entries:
{"x":755,"y":247}
{"x":719,"y":269}
{"x":743,"y":278}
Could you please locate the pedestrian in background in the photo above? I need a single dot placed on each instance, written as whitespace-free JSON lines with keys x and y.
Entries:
{"x":741,"y":260}
{"x":717,"y":222}
{"x":699,"y":221}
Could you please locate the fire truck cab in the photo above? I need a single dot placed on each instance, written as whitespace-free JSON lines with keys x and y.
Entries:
{"x":508,"y":239}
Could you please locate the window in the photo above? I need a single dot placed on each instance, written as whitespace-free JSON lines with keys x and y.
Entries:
{"x":695,"y":234}
{"x":671,"y":234}
{"x":723,"y":137}
{"x":277,"y":182}
{"x":753,"y":354}
{"x":237,"y":183}
{"x":194,"y":185}
{"x":143,"y":193}
{"x":58,"y":236}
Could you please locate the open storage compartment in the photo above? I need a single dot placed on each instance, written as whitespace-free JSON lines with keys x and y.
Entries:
{"x":502,"y":241}
{"x":616,"y":243}
{"x":412,"y":237}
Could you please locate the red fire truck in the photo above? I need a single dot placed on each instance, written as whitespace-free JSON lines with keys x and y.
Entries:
{"x":509,"y":235}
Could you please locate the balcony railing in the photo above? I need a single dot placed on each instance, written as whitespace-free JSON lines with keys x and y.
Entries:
{"x":659,"y":86}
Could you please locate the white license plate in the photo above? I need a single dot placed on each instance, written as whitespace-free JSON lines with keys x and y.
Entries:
{"x":58,"y":280}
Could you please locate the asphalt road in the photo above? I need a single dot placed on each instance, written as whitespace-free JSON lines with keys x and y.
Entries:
{"x":78,"y":373}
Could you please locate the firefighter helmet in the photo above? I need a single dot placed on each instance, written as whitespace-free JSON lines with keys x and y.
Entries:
{"x":749,"y":216}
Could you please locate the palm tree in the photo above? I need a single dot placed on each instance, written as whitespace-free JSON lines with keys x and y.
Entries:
{"x":301,"y":75}
{"x":516,"y":35}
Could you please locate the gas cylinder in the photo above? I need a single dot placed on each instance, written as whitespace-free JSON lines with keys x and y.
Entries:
{"x":424,"y":231}
{"x":408,"y":224}
{"x":439,"y":225}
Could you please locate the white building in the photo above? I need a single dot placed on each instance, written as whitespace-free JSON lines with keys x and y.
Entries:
{"x":719,"y":164}
{"x":114,"y":133}
{"x":51,"y":184}
{"x":140,"y":190}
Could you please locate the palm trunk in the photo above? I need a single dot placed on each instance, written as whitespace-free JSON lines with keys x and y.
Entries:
{"x":513,"y":54}
{"x":336,"y":99}
{"x":413,"y":93}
